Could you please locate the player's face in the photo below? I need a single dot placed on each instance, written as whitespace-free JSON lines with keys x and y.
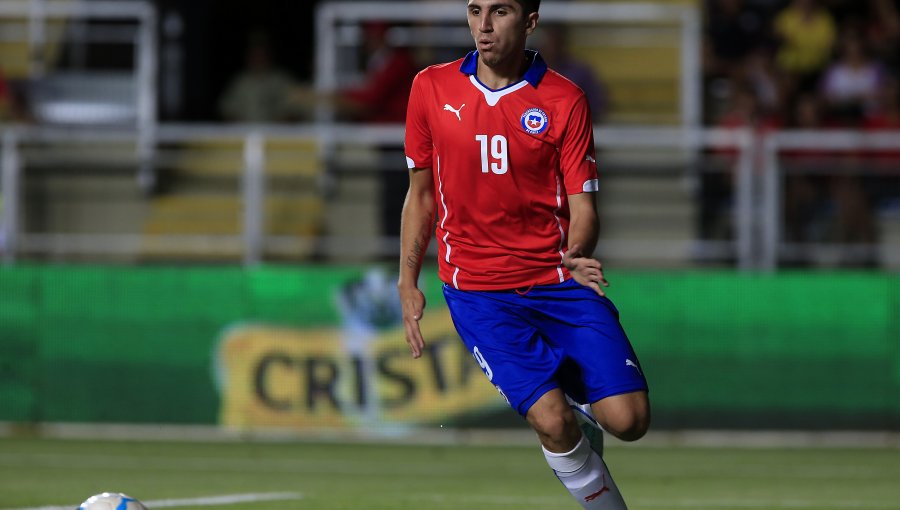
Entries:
{"x":499,"y":28}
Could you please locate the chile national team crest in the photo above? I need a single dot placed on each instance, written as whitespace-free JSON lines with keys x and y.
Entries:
{"x":534,"y":121}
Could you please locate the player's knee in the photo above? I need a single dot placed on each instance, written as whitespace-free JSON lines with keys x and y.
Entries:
{"x":557,"y":431}
{"x":631,"y":430}
{"x":625,"y":416}
{"x":629,"y":426}
{"x":553,"y":425}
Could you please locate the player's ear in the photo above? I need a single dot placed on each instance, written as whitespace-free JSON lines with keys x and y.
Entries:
{"x":531,"y":22}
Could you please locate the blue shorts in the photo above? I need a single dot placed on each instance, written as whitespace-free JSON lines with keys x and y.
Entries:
{"x":553,"y":336}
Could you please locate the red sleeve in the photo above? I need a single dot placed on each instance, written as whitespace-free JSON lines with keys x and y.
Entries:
{"x":576,"y":155}
{"x":418,"y":144}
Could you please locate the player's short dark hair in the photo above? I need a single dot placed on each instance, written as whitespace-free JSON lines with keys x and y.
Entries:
{"x":530,"y":5}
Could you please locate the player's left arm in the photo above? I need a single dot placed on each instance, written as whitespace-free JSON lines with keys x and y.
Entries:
{"x":579,"y":167}
{"x":583,"y":233}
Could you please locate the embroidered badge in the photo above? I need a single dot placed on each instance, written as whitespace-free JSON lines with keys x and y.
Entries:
{"x":534,"y":121}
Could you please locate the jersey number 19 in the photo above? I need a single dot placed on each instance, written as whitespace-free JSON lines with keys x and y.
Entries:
{"x":499,"y":163}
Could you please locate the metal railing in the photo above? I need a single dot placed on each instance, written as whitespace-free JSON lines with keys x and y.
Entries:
{"x":833,"y":143}
{"x":757,"y":212}
{"x":129,"y":22}
{"x":252,"y":183}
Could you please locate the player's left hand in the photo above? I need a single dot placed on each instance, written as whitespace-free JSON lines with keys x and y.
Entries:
{"x":587,"y":271}
{"x":413,"y":302}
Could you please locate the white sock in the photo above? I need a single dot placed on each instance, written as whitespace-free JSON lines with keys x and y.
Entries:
{"x":586,"y":477}
{"x":590,"y":427}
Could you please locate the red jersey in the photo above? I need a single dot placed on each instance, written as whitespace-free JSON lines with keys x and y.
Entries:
{"x":504,"y":162}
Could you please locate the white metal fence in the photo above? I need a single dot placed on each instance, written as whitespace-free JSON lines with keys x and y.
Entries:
{"x":75,"y":95}
{"x":757,"y":199}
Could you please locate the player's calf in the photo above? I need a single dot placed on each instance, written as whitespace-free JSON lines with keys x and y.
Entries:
{"x":586,"y":477}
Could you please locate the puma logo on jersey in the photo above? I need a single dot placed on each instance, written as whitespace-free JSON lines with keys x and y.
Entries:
{"x":629,"y":363}
{"x":449,"y":108}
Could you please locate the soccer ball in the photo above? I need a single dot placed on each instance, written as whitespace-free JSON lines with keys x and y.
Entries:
{"x":111,"y":501}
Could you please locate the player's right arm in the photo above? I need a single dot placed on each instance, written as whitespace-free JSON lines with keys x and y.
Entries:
{"x":416,"y":227}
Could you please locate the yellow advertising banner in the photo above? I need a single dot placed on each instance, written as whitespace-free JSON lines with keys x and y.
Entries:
{"x":272,"y":376}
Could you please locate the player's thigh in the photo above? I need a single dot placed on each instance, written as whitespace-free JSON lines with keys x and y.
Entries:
{"x":600,"y":360}
{"x":626,"y":415}
{"x":509,"y":350}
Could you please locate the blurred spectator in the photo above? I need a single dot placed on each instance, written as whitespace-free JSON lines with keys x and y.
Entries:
{"x":850,"y":85}
{"x":382,"y":95}
{"x":882,"y":31}
{"x":825,"y":200}
{"x":747,"y":111}
{"x":390,"y":71}
{"x":261,"y":92}
{"x":802,"y":188}
{"x":887,"y":115}
{"x":806,"y":33}
{"x":555,"y":51}
{"x":733,"y":30}
{"x":5,"y":99}
{"x":717,"y":185}
{"x":759,"y":72}
{"x":885,"y":163}
{"x":380,"y":98}
{"x":11,"y":105}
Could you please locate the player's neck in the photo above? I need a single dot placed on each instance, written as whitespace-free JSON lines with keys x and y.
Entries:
{"x":504,"y":73}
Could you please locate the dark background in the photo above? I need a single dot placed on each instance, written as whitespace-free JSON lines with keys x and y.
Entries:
{"x":215,"y":36}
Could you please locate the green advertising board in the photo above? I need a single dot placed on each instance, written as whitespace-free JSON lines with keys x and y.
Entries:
{"x":321,"y":347}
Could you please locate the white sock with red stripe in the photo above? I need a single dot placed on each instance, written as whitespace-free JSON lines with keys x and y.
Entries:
{"x":586,"y":477}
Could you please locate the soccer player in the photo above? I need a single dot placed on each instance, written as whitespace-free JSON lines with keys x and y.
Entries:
{"x":501,"y":162}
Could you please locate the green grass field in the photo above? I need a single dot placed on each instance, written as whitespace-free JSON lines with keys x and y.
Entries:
{"x":330,"y":476}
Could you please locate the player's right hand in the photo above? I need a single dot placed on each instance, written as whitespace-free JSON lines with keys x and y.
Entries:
{"x":413,"y":302}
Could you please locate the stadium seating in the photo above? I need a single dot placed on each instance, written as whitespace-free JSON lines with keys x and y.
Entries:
{"x":201,"y":197}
